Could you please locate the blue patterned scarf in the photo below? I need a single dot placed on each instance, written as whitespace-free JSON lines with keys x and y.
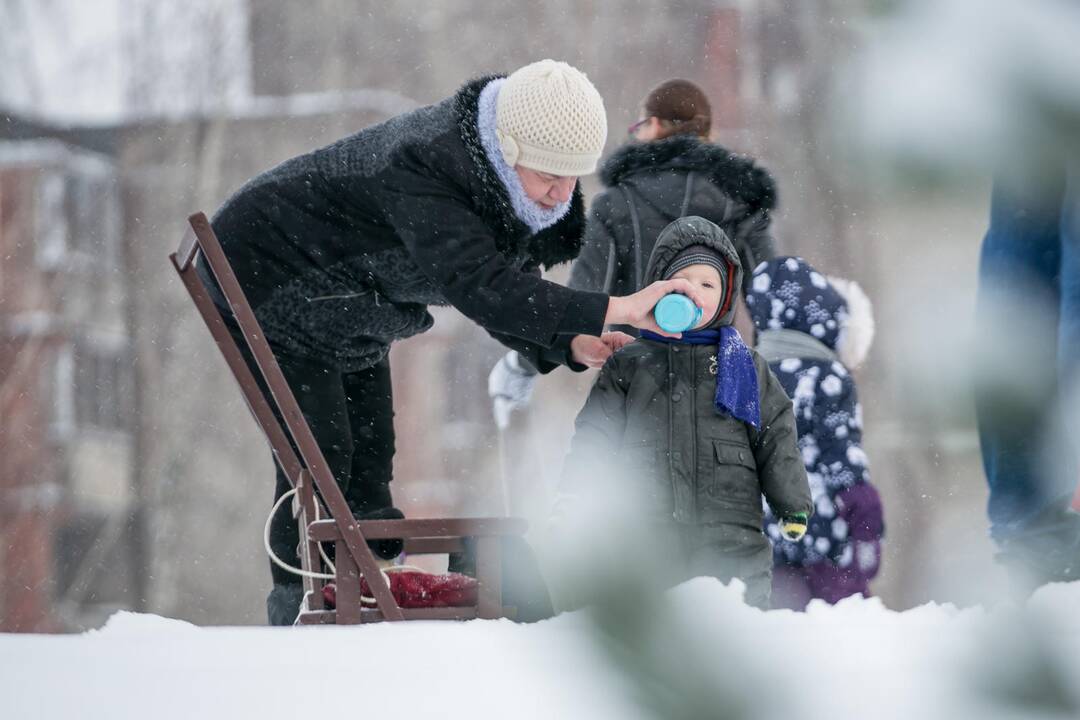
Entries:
{"x":736,"y":375}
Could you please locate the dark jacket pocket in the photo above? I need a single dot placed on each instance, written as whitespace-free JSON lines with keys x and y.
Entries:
{"x":734,"y":478}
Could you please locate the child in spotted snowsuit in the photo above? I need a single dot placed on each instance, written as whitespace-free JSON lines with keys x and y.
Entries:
{"x":812,"y":330}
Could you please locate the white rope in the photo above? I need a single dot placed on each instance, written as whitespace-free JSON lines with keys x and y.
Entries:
{"x":316,"y":575}
{"x":273,"y":556}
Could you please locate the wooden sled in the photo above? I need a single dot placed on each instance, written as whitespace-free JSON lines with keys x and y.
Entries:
{"x":318,"y":495}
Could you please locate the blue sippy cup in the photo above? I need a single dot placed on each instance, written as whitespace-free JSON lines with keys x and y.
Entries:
{"x":676,"y":313}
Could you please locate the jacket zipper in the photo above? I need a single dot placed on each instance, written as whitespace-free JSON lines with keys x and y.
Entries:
{"x":343,"y":296}
{"x":672,"y":477}
{"x":693,"y":434}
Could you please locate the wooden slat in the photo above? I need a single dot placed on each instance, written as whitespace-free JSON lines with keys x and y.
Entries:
{"x":348,"y":586}
{"x":317,"y":617}
{"x":310,"y":559}
{"x":329,"y":617}
{"x":434,"y":546}
{"x":489,"y":575}
{"x":326,"y":530}
{"x":185,"y":255}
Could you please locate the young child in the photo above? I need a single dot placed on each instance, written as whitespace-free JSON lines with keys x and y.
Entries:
{"x":698,"y":426}
{"x":812,"y":330}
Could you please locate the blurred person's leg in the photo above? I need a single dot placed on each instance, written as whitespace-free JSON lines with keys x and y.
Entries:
{"x":1069,"y":329}
{"x":1017,"y":324}
{"x":1027,"y":316}
{"x":1069,"y":322}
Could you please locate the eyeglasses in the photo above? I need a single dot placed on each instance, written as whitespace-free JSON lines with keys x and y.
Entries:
{"x":636,"y":126}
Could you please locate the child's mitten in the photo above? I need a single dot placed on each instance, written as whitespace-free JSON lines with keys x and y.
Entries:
{"x":793,"y":526}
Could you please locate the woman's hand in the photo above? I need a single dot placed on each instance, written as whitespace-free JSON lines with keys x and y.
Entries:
{"x":637,"y":309}
{"x":594,"y":351}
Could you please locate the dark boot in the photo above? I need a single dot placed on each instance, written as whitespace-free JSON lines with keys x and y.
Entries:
{"x":1047,"y":551}
{"x":283,"y":603}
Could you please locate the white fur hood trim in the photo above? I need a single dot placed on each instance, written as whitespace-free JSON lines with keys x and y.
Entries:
{"x":857,"y":335}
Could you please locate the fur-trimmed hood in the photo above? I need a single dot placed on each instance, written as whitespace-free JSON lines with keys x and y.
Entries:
{"x":551,"y":246}
{"x":738,"y":176}
{"x":692,"y":230}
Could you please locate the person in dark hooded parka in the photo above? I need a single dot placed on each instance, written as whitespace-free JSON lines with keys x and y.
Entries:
{"x":698,"y":424}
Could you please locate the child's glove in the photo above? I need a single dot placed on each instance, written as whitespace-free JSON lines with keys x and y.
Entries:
{"x":793,"y":526}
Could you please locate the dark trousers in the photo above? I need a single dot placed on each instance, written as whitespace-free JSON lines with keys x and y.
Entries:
{"x":1029,"y":322}
{"x":351,"y":416}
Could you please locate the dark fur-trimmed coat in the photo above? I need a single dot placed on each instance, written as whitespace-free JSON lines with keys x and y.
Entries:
{"x":650,"y":184}
{"x":340,"y":251}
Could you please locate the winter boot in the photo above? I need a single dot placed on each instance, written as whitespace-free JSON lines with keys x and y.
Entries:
{"x":283,"y":603}
{"x":1048,"y":551}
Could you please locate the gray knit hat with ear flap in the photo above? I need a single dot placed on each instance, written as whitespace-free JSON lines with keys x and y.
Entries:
{"x":696,"y":255}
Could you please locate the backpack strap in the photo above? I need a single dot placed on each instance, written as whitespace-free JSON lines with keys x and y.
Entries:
{"x":639,"y":264}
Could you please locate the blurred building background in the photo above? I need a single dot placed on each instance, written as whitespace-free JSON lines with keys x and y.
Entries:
{"x":130,"y":473}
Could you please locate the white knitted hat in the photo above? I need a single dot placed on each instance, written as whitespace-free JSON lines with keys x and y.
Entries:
{"x":551,"y":119}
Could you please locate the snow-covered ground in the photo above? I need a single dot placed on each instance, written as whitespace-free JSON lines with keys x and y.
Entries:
{"x":713,"y":655}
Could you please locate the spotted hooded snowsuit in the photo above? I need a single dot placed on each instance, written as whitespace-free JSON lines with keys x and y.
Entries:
{"x":801,"y":319}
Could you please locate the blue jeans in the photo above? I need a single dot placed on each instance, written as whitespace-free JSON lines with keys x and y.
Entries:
{"x":1030,"y":267}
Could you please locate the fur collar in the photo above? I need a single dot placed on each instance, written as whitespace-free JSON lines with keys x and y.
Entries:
{"x":557,"y":244}
{"x":738,"y":176}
